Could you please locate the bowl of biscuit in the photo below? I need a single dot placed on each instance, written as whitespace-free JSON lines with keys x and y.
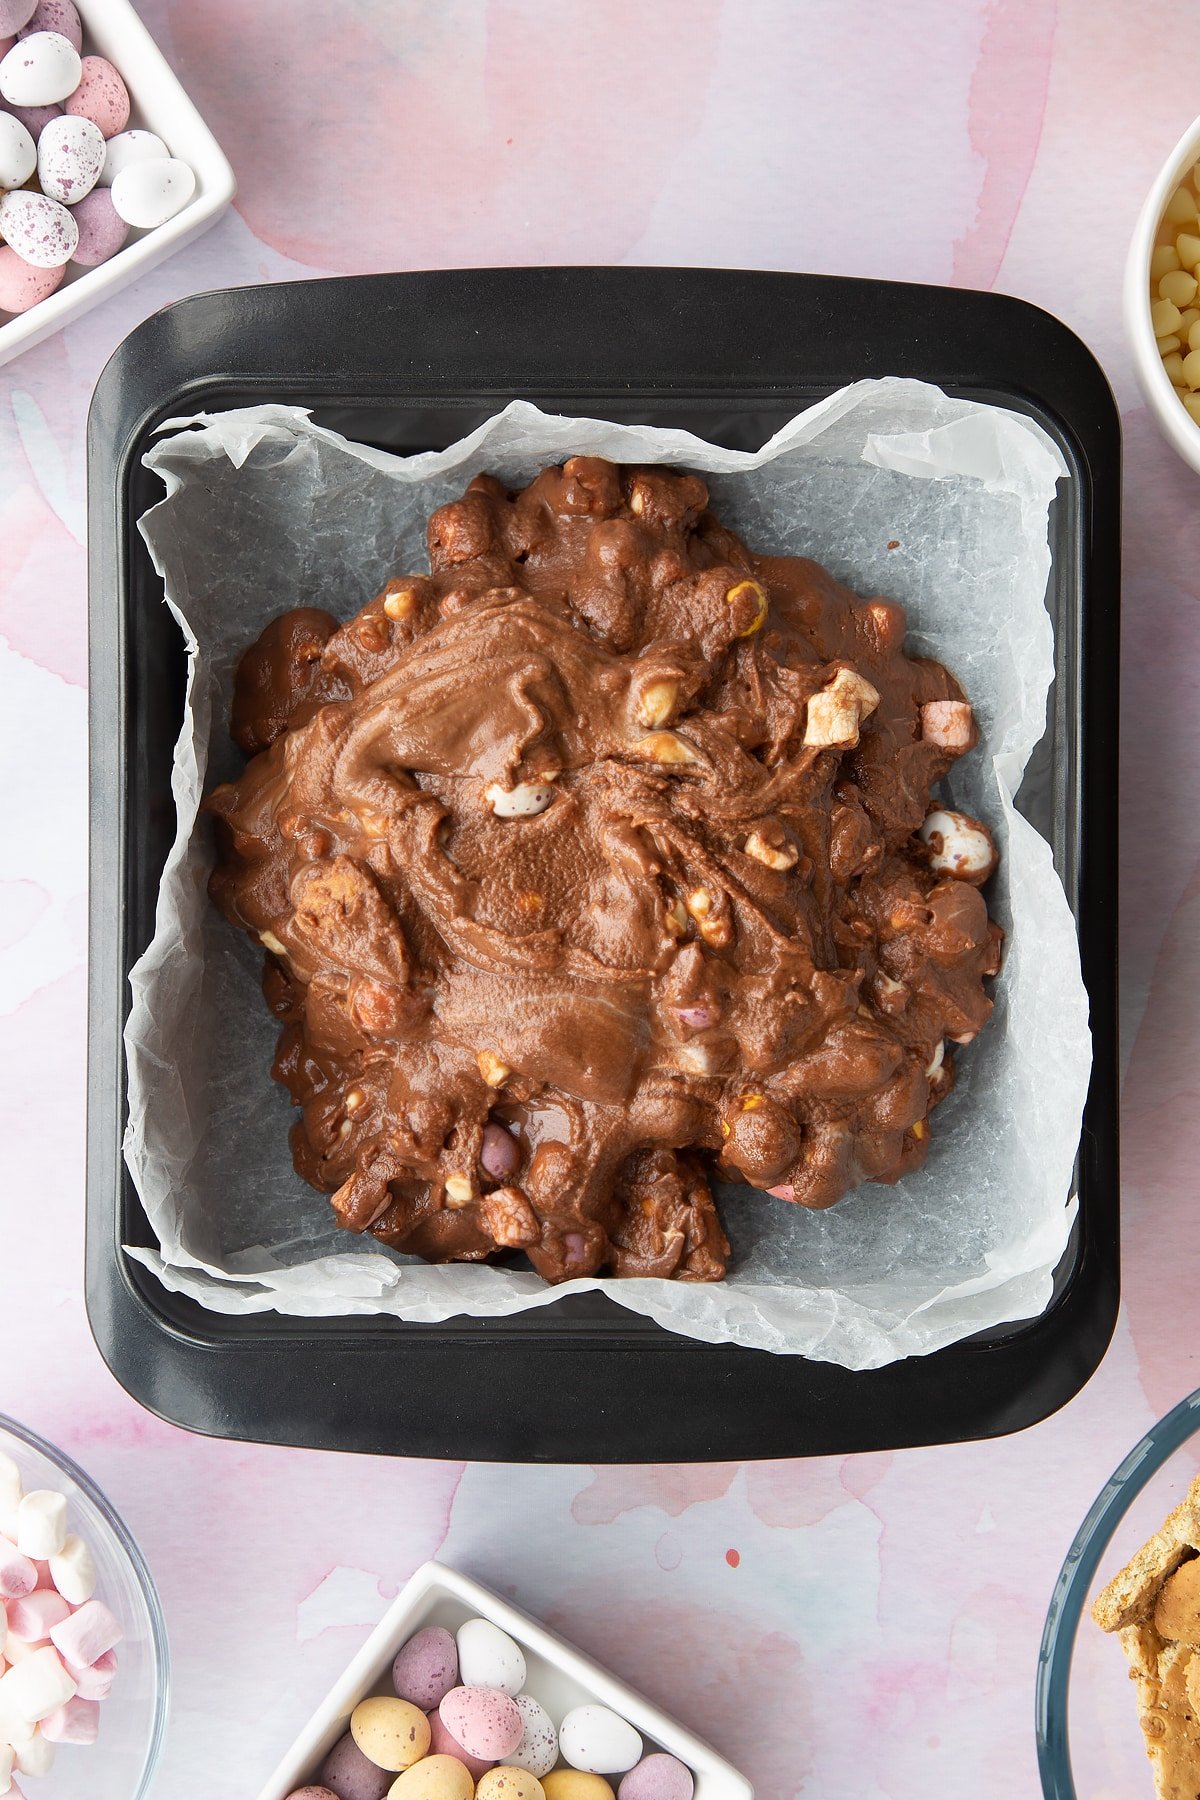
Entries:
{"x":1118,"y":1688}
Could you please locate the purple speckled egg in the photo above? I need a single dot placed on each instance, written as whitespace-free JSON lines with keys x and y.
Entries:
{"x":486,"y":1721}
{"x":444,"y":1743}
{"x":313,"y":1793}
{"x":21,"y":285}
{"x":500,"y":1153}
{"x":6,"y":44}
{"x":70,"y":156}
{"x":657,"y":1777}
{"x":40,"y":230}
{"x":101,"y":230}
{"x":55,"y":15}
{"x":14,"y":14}
{"x":426,"y":1668}
{"x":35,"y":118}
{"x":353,"y":1776}
{"x":101,"y":96}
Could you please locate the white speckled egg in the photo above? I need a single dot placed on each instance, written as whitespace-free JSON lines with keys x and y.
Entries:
{"x":596,"y":1739}
{"x":488,"y":1657}
{"x":149,"y":193}
{"x":40,"y":70}
{"x":70,"y":156}
{"x":130,"y":147}
{"x":537,"y":1751}
{"x":40,"y":230}
{"x":18,"y":153}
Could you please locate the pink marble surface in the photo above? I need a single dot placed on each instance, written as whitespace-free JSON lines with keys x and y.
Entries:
{"x":876,"y":1633}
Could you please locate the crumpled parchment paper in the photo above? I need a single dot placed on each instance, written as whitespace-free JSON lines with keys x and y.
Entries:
{"x":265,"y":511}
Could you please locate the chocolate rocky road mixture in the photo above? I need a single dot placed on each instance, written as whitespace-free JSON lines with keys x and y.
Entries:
{"x":595,"y":860}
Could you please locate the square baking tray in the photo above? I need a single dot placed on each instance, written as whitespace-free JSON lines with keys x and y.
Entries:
{"x":411,"y":362}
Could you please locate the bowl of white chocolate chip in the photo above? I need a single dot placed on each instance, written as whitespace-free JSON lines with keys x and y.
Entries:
{"x":1162,"y":297}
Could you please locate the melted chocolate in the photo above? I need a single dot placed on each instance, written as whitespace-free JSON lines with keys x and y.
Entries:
{"x":587,"y":862}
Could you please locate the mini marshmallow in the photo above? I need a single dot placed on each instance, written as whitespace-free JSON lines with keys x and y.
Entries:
{"x":87,"y":1634}
{"x":16,"y":1649}
{"x":36,"y":1687}
{"x":78,"y":1722}
{"x":31,"y":1618}
{"x":6,"y":1768}
{"x":42,"y":1524}
{"x":95,"y":1681}
{"x":35,"y":1755}
{"x":18,"y":1576}
{"x":73,"y":1571}
{"x":3,"y":1630}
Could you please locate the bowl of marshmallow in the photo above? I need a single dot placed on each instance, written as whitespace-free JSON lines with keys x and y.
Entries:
{"x":106,"y":167}
{"x":83,"y":1647}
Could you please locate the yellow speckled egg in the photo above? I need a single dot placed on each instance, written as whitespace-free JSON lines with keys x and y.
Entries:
{"x":434,"y":1778}
{"x":392,"y":1733}
{"x":575,"y":1784}
{"x":510,"y":1784}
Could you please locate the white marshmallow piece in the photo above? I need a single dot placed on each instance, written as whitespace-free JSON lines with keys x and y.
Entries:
{"x":36,"y":1687}
{"x":3,"y":1630}
{"x":488,"y":1657}
{"x":87,"y":1634}
{"x":11,"y":1488}
{"x":73,"y":1571}
{"x":6,"y":1768}
{"x":35,"y":1756}
{"x":78,"y":1722}
{"x":95,"y":1681}
{"x":42,"y":1522}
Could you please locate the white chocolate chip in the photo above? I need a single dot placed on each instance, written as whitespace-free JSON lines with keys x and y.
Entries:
{"x":961,"y":847}
{"x":775,"y":856}
{"x":836,"y":712}
{"x":494,"y":1071}
{"x":524,"y":801}
{"x":460,"y":1190}
{"x":270,"y":942}
{"x":667,"y":747}
{"x":656,"y":702}
{"x":936,"y":1061}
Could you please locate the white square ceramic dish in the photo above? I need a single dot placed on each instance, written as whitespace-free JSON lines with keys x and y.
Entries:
{"x":559,"y":1676}
{"x":113,"y":29}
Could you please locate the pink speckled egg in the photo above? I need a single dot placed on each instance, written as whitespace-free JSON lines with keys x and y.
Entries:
{"x":14,"y":14}
{"x":444,"y":1743}
{"x":101,"y":230}
{"x":70,"y":156}
{"x":101,"y":96}
{"x":21,"y":285}
{"x":55,"y":15}
{"x":40,"y":230}
{"x":35,"y":118}
{"x":486,"y":1721}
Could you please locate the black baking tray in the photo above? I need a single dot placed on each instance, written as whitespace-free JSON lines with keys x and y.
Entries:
{"x":410,"y":362}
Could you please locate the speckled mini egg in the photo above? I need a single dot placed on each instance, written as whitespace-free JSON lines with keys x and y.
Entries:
{"x":576,"y":1784}
{"x":351,"y":1775}
{"x":312,"y":1793}
{"x":102,"y":231}
{"x":149,"y":193}
{"x":70,"y":156}
{"x":40,"y":230}
{"x":596,"y":1739}
{"x":426,"y":1668}
{"x":21,"y":285}
{"x":18,"y":152}
{"x":443,"y":1743}
{"x":56,"y":15}
{"x":509,"y":1784}
{"x":483,"y":1720}
{"x":392,"y":1733}
{"x":40,"y":70}
{"x":100,"y":95}
{"x":434,"y":1778}
{"x":488,"y":1657}
{"x":130,"y":147}
{"x":657,"y":1777}
{"x":35,"y":118}
{"x":14,"y":14}
{"x":538,"y":1748}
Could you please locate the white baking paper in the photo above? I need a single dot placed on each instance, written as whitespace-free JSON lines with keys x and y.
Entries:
{"x":265,"y":511}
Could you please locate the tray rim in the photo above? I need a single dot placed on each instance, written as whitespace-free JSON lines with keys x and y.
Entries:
{"x":134,"y":1293}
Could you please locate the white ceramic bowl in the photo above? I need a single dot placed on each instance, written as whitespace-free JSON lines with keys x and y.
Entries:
{"x":1174,"y":421}
{"x":559,"y":1676}
{"x":113,"y":29}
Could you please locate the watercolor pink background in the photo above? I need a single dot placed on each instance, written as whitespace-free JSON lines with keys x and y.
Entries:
{"x":875,"y":1636}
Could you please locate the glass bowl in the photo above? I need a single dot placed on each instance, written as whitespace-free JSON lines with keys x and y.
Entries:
{"x":121,"y":1764}
{"x":1089,"y":1743}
